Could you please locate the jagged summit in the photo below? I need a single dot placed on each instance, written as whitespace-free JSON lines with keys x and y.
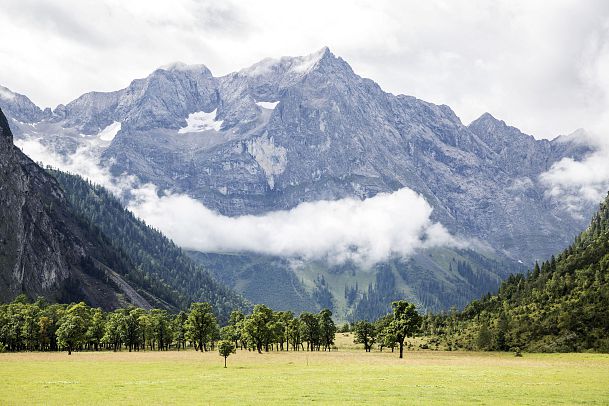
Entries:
{"x":184,"y":67}
{"x":297,"y":65}
{"x":487,"y":120}
{"x":6,"y":93}
{"x":19,"y":107}
{"x":580,"y":136}
{"x":496,"y":132}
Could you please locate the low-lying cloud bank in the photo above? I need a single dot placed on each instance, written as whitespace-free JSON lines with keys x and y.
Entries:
{"x":363,"y":231}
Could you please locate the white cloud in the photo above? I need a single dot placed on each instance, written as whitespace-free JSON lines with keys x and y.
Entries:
{"x":579,"y":183}
{"x":82,"y":162}
{"x":363,"y":231}
{"x":539,"y":65}
{"x":576,"y":184}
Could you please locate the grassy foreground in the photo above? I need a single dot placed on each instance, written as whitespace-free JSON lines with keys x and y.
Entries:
{"x":341,"y":377}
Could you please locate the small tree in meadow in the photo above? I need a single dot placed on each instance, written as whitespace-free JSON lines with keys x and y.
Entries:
{"x":406,"y":321}
{"x":365,"y":333}
{"x":226,"y":348}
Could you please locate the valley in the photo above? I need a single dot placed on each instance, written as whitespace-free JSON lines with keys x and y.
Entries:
{"x":284,"y":203}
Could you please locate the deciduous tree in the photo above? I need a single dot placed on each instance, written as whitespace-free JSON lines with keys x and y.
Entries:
{"x":406,"y":321}
{"x":226,"y":348}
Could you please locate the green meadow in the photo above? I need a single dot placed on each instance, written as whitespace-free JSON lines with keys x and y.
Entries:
{"x":346,"y":376}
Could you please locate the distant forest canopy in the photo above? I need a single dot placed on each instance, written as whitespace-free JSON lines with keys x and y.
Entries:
{"x":170,"y":279}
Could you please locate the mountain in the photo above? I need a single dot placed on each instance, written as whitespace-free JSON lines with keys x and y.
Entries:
{"x":19,"y":107}
{"x":561,"y":306}
{"x":46,"y":249}
{"x":308,"y":128}
{"x":159,"y":264}
{"x":301,"y":129}
{"x":51,"y":246}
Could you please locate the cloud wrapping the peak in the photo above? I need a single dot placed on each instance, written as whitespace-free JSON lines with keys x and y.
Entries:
{"x":576,"y":184}
{"x":82,"y":162}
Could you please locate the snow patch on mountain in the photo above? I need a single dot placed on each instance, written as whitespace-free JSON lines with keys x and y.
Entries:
{"x":201,"y":121}
{"x":108,"y":133}
{"x":271,"y":158}
{"x":268,"y":105}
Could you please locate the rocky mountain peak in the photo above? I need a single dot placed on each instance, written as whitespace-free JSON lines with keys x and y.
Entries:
{"x":6,"y":94}
{"x":19,"y":106}
{"x":487,"y":122}
{"x":497,"y":134}
{"x":291,"y":66}
{"x":184,"y":67}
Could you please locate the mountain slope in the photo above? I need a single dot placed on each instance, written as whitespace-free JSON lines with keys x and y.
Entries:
{"x":70,"y":241}
{"x":20,"y":107}
{"x":47,"y":250}
{"x":159,"y":262}
{"x":562,"y":305}
{"x":434,"y":279}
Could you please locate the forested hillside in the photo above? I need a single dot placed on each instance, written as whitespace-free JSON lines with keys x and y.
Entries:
{"x":562,"y":305}
{"x":161,"y":266}
{"x":48,"y":250}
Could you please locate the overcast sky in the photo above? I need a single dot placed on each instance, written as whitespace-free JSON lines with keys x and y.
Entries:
{"x":542,"y":66}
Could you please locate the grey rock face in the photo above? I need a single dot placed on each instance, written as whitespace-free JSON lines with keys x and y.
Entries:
{"x":334,"y":134}
{"x":162,"y":100}
{"x":19,"y":106}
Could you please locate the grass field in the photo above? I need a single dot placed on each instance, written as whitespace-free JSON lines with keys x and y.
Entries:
{"x":346,"y":376}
